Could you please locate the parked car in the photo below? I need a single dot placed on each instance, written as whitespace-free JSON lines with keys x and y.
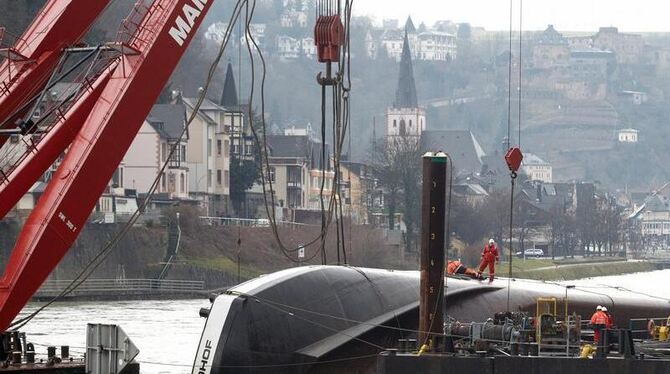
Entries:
{"x":531,"y":252}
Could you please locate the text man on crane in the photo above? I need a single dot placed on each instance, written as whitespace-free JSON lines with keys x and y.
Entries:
{"x":489,"y":258}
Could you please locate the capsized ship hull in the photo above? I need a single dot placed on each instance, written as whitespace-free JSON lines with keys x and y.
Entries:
{"x":328,"y":319}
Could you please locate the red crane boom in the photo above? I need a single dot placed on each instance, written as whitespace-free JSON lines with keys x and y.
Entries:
{"x":29,"y":62}
{"x":119,"y":101}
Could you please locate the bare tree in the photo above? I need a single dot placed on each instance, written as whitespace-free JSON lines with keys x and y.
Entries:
{"x":396,"y":163}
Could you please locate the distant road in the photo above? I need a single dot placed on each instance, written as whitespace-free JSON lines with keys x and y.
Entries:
{"x":443,"y":101}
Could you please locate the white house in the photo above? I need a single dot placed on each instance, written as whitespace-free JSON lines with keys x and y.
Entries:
{"x":392,"y":42}
{"x":151,"y":148}
{"x":293,"y":18}
{"x":635,"y":97}
{"x":216,"y":32}
{"x":308,"y":47}
{"x":370,"y":45}
{"x":209,"y":156}
{"x":116,"y":205}
{"x":436,"y":46}
{"x":288,"y":47}
{"x":536,"y":168}
{"x":257,"y":33}
{"x":654,"y":217}
{"x":627,"y":135}
{"x":296,"y":170}
{"x":429,"y":45}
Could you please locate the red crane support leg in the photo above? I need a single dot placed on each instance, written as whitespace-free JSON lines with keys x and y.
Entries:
{"x":47,"y":151}
{"x":59,"y":24}
{"x":97,"y":150}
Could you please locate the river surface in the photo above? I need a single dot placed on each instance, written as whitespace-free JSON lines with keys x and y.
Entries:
{"x":167,"y":332}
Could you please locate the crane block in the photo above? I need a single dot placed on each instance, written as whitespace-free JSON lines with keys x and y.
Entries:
{"x":328,"y":37}
{"x":513,"y":158}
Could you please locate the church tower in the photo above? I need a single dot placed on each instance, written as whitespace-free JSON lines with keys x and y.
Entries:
{"x":229,"y":94}
{"x":405,"y":117}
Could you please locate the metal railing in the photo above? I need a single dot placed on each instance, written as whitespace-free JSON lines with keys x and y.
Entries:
{"x":121,"y":286}
{"x":640,"y":326}
{"x":262,"y":222}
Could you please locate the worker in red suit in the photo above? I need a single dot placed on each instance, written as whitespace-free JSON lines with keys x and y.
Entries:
{"x":489,"y":258}
{"x":599,"y":321}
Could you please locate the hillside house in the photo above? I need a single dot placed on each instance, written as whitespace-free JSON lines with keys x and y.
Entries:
{"x":151,"y":147}
{"x":627,"y":135}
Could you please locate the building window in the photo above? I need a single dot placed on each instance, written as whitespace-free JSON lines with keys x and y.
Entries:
{"x":163,"y":182}
{"x":219,"y":147}
{"x":175,"y":157}
{"x":183,"y":153}
{"x":171,"y":182}
{"x":182,"y":183}
{"x":271,"y":174}
{"x":395,"y":124}
{"x":209,"y":147}
{"x":226,"y":179}
{"x":164,"y":152}
{"x":117,"y":178}
{"x":209,"y":178}
{"x":218,"y":177}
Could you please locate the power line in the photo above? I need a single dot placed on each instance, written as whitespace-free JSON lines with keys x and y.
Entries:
{"x":520,"y":63}
{"x":264,"y":153}
{"x":509,"y":77}
{"x":263,"y":147}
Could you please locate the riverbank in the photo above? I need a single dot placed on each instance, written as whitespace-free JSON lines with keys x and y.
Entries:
{"x":546,"y":269}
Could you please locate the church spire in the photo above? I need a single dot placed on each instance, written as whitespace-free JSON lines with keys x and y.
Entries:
{"x":409,"y":26}
{"x":229,"y":94}
{"x":405,"y":95}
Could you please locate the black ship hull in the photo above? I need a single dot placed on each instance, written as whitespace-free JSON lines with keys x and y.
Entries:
{"x":327,"y":319}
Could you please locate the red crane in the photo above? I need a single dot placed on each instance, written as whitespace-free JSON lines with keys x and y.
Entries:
{"x":29,"y":61}
{"x":98,"y":129}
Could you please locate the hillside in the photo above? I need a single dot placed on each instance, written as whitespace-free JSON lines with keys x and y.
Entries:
{"x":576,"y":136}
{"x":210,"y":253}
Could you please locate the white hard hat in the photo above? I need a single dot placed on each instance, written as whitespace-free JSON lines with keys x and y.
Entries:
{"x":491,"y":241}
{"x":604,"y":309}
{"x":599,"y":307}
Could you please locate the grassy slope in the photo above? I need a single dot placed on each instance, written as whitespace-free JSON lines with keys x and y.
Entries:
{"x":548,"y":270}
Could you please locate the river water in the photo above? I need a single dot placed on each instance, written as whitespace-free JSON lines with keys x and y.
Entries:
{"x":167,"y":332}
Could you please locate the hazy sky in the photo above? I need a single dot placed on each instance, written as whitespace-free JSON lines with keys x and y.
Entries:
{"x":566,"y":15}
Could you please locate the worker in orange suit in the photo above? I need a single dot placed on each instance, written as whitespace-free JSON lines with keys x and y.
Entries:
{"x":456,"y":267}
{"x":599,"y":321}
{"x":489,"y":258}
